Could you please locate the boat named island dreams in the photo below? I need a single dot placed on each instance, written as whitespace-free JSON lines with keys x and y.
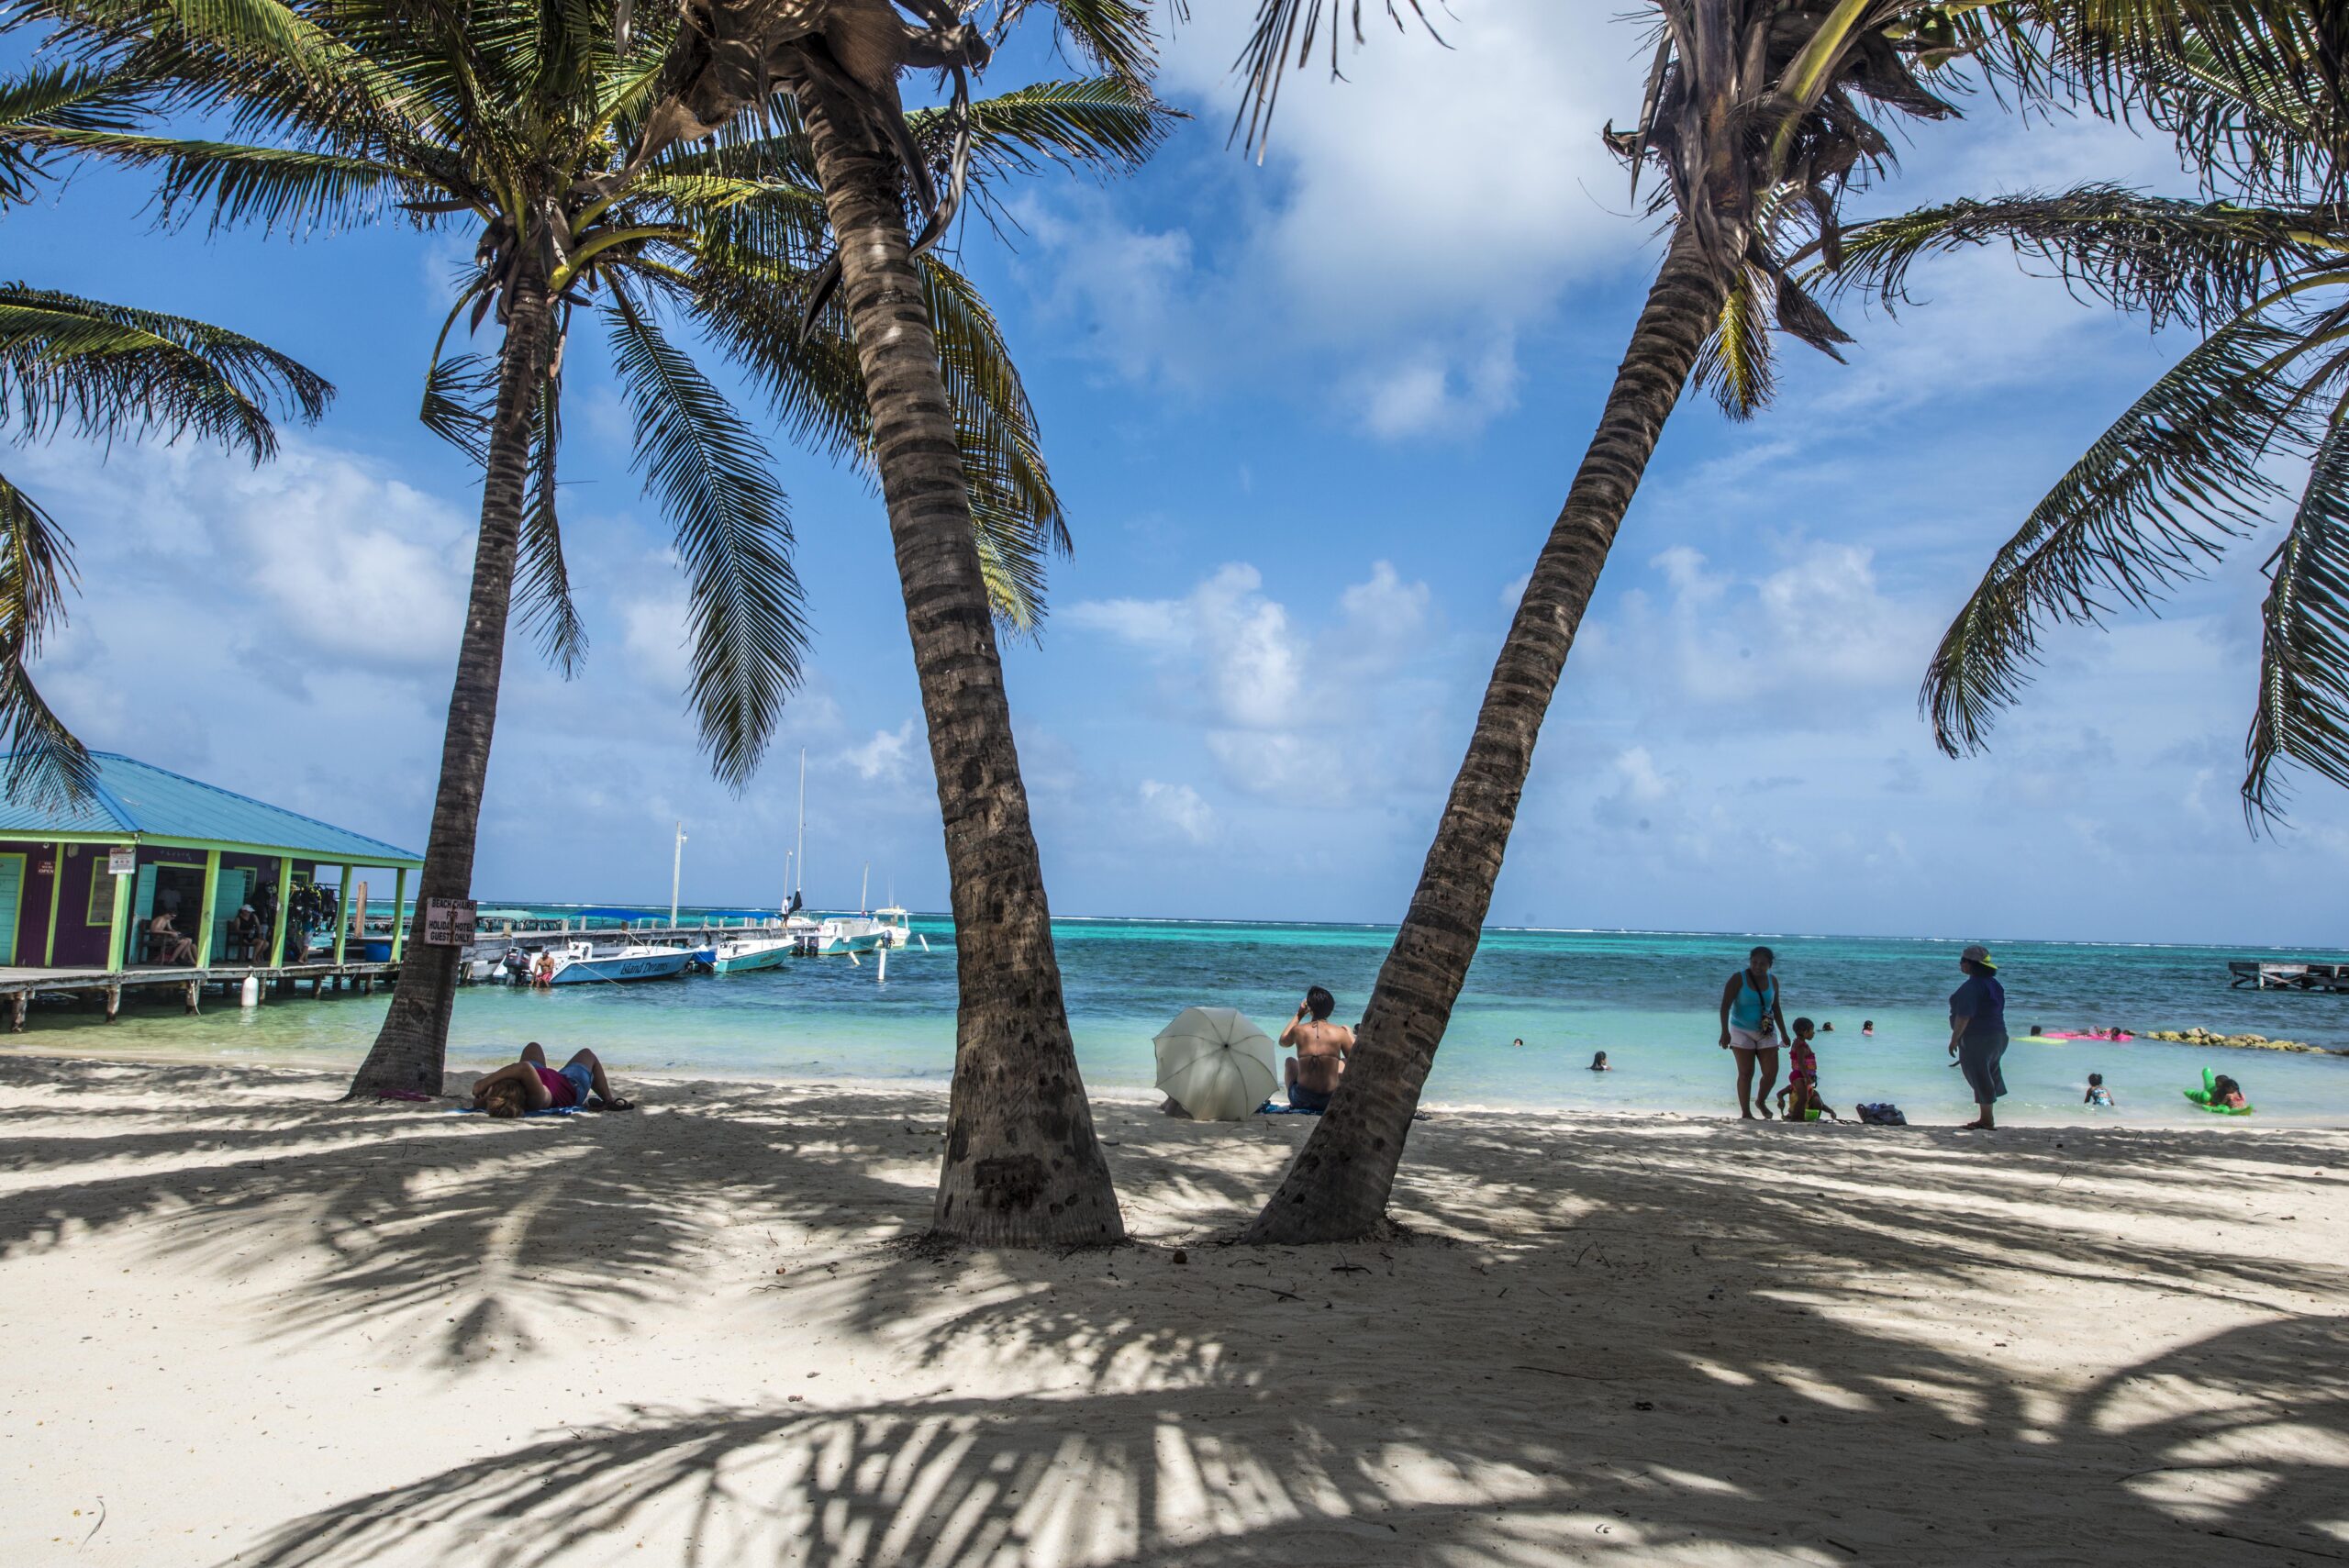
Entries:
{"x":578,"y":964}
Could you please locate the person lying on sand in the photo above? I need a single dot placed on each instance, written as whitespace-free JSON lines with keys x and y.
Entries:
{"x":530,"y":1084}
{"x":1321,"y":1046}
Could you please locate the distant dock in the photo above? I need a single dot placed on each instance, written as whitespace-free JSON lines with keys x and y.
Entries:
{"x":85,"y":987}
{"x":2251,"y":974}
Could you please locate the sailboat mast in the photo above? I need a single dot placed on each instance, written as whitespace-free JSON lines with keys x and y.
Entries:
{"x":802,"y":820}
{"x":677,"y":874}
{"x":864,"y":891}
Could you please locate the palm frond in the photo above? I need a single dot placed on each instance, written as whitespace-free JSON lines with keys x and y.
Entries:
{"x":272,"y":186}
{"x":115,"y":369}
{"x":47,"y":766}
{"x":1287,"y":27}
{"x":1736,"y":364}
{"x":1016,"y":514}
{"x":733,"y":537}
{"x":2201,"y":262}
{"x":749,"y":303}
{"x":541,"y":579}
{"x":2303,"y":713}
{"x":2152,"y":502}
{"x":48,"y":100}
{"x":1116,"y":35}
{"x":1109,"y":122}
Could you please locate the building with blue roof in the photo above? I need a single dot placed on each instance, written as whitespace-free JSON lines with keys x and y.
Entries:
{"x":81,"y":882}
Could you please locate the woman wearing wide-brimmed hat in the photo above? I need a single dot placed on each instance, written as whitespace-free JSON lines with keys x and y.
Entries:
{"x":1977,"y":1031}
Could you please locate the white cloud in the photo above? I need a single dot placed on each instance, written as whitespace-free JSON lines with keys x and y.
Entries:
{"x":336,"y":559}
{"x":1280,"y":711}
{"x":1179,"y":806}
{"x":653,"y":634}
{"x":1404,"y":226}
{"x":883,"y":756}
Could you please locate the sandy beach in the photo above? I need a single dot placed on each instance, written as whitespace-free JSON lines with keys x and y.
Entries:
{"x":250,"y":1324}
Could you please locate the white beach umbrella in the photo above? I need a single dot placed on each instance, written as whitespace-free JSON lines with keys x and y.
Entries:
{"x":1214,"y":1063}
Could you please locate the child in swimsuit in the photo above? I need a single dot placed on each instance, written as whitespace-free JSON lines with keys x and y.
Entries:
{"x":1799,"y":1099}
{"x":2098,"y":1093}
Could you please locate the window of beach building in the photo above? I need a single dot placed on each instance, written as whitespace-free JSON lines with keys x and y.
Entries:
{"x":101,"y":894}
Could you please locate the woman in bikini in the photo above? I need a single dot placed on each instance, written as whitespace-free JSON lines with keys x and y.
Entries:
{"x":530,"y":1084}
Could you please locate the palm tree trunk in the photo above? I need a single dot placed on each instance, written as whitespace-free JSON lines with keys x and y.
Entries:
{"x":411,"y":1050}
{"x":1336,"y":1188}
{"x":1022,"y":1165}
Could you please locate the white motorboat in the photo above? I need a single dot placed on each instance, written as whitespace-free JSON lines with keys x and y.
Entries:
{"x":580,"y":963}
{"x":748,"y":953}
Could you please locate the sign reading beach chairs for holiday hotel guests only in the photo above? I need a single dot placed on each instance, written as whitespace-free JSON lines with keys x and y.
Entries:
{"x":449,"y":922}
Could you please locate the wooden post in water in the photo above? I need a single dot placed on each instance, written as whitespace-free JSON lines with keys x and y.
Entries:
{"x":343,"y":914}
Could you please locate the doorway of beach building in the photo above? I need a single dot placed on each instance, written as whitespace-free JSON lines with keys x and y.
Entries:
{"x":175,"y":888}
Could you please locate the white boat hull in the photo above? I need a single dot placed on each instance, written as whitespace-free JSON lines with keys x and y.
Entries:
{"x":742,"y":958}
{"x":665,"y":964}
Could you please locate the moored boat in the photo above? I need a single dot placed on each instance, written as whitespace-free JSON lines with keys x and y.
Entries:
{"x":578,"y":964}
{"x":752,"y":953}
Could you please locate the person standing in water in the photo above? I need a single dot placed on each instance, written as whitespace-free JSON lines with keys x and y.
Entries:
{"x":1977,"y":1033}
{"x":1753,"y":1023}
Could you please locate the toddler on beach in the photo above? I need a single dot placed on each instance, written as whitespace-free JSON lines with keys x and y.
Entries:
{"x":2098,"y":1093}
{"x":1799,"y":1101}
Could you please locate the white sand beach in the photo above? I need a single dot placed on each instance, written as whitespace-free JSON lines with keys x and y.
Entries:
{"x":250,"y":1324}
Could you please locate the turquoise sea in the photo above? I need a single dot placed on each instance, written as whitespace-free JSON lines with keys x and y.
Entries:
{"x":1646,"y":998}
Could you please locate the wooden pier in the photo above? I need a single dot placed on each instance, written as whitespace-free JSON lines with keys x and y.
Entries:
{"x":19,"y":986}
{"x":2251,"y":974}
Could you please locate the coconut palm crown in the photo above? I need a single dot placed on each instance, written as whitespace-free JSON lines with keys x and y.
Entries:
{"x":103,"y":371}
{"x":525,"y":122}
{"x":1756,"y":112}
{"x":2249,"y":426}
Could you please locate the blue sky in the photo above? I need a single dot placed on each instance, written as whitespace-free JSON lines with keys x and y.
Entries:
{"x":1312,"y":420}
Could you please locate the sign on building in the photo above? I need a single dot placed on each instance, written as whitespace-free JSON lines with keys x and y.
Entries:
{"x":123,"y":861}
{"x":449,"y":922}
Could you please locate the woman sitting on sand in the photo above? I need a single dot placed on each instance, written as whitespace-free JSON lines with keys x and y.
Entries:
{"x":530,"y":1084}
{"x":1321,"y":1046}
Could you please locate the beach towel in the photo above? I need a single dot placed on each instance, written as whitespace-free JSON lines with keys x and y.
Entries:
{"x":1269,"y":1108}
{"x":550,"y":1110}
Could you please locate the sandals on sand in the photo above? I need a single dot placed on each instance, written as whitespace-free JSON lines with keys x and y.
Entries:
{"x":616,"y":1105}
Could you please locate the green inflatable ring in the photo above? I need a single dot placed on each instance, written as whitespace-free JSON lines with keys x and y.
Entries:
{"x":2201,"y":1097}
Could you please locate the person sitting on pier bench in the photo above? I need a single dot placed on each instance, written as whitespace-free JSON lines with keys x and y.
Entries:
{"x":245,"y":934}
{"x":164,"y":943}
{"x":530,"y":1084}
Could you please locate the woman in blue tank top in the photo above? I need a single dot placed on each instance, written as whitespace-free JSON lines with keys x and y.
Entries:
{"x":1753,"y":1023}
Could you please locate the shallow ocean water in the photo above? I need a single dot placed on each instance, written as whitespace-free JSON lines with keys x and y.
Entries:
{"x":1645,"y":998}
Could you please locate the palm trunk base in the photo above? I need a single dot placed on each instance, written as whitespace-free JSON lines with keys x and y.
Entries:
{"x":410,"y":1052}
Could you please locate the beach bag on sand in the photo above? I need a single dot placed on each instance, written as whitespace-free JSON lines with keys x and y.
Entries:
{"x":1885,"y":1115}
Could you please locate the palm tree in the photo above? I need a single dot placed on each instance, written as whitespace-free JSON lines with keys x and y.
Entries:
{"x":517,"y":117}
{"x":107,"y":372}
{"x":1022,"y":1165}
{"x":2257,"y":95}
{"x":1752,"y":115}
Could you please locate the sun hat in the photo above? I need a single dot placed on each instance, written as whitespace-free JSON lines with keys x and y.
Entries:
{"x":1979,"y":954}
